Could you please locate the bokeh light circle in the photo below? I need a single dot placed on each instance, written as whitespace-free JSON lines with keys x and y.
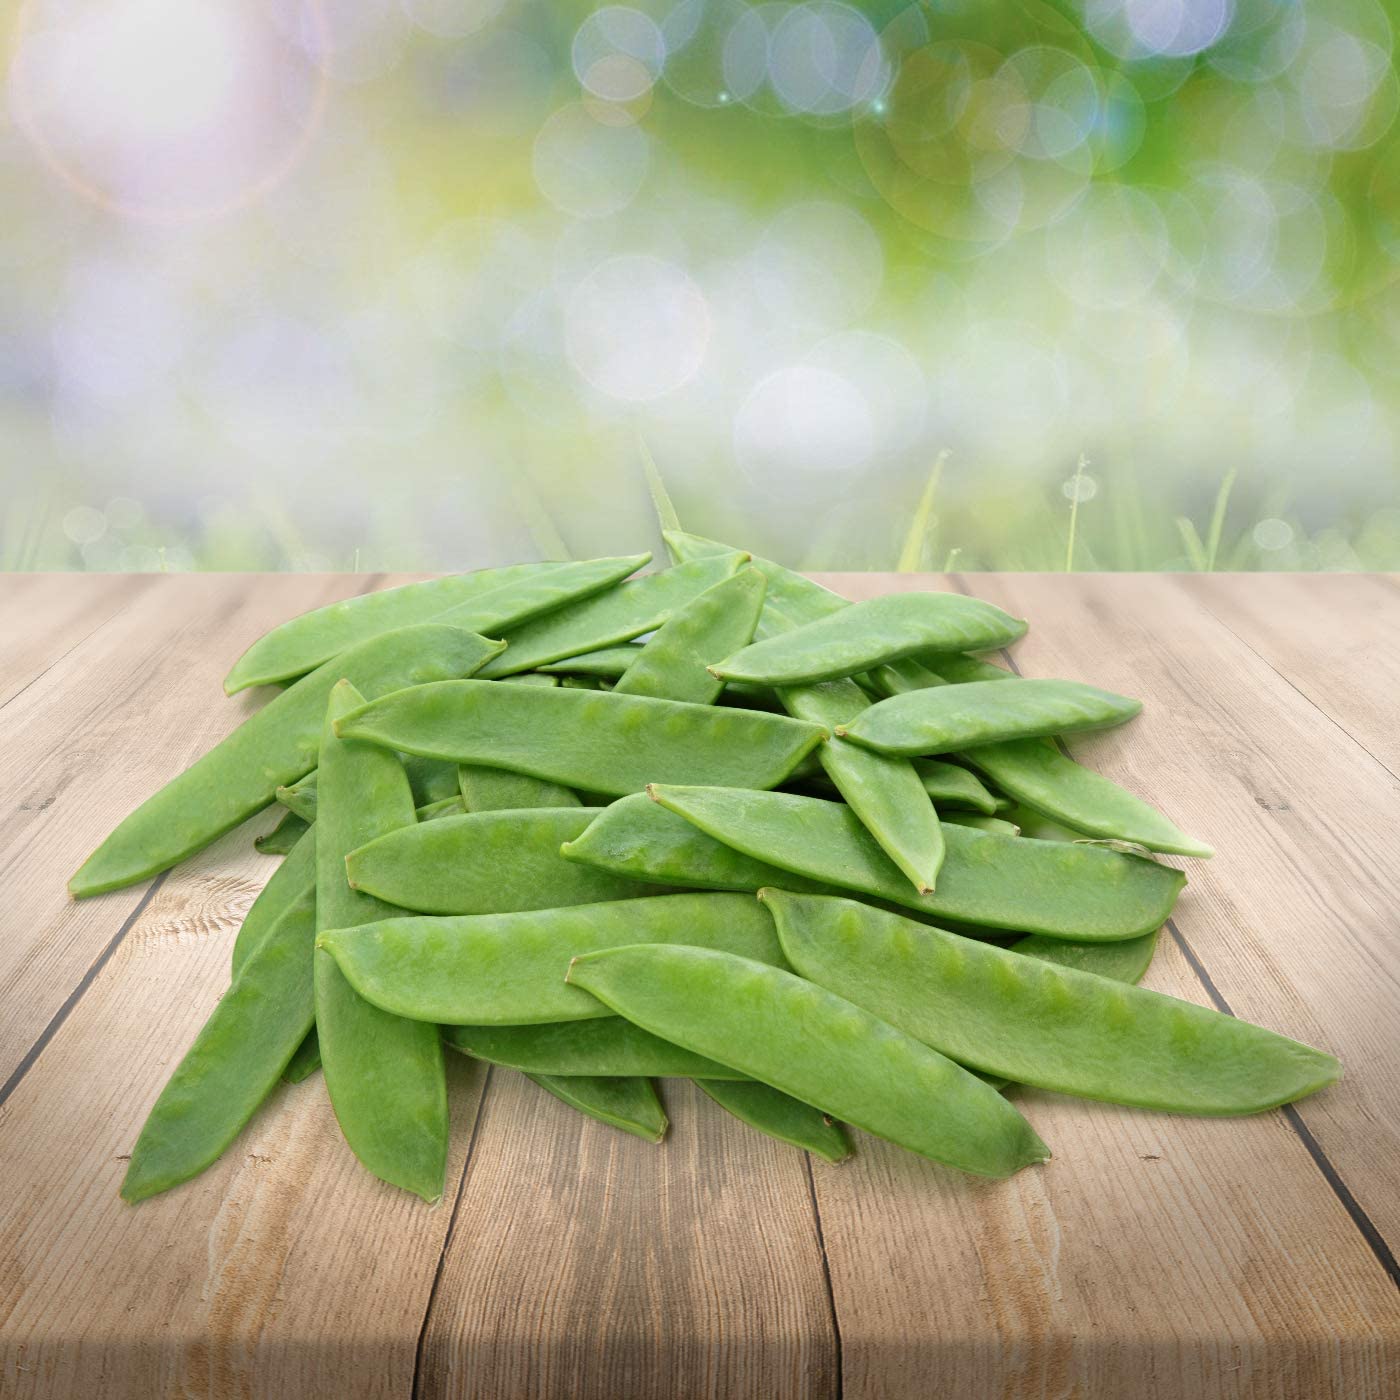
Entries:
{"x":618,"y":53}
{"x":588,"y":168}
{"x":803,"y":421}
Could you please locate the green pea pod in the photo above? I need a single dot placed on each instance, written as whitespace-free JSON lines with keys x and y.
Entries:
{"x":624,"y":612}
{"x":937,"y":670}
{"x":1037,"y":1023}
{"x":1126,"y":961}
{"x":1071,"y":891}
{"x":485,"y":862}
{"x":271,"y":749}
{"x":944,"y":719}
{"x":797,"y":599}
{"x":998,"y":826}
{"x":280,"y":840}
{"x":672,"y":665}
{"x":949,"y":785}
{"x":300,"y":797}
{"x":598,"y":742}
{"x":779,"y":1116}
{"x":495,"y":790}
{"x":235,"y":1060}
{"x":306,"y":1061}
{"x":508,"y":969}
{"x":610,"y":1047}
{"x":607,"y":663}
{"x":629,"y":1104}
{"x":814,"y":1046}
{"x":486,"y":601}
{"x":384,"y":1073}
{"x":430,"y":779}
{"x":293,"y":881}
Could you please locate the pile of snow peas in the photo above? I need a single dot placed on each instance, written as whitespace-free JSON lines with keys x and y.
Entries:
{"x":527,"y":813}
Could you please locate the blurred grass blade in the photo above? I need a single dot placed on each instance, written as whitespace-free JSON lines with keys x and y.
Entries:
{"x":661,"y":502}
{"x":1217,"y":518}
{"x":1195,"y":550}
{"x":1074,"y":513}
{"x":915,"y":539}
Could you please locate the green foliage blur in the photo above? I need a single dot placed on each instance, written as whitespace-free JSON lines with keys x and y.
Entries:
{"x":432,"y":284}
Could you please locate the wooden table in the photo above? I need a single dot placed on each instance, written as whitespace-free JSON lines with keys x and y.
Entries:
{"x":1153,"y":1257}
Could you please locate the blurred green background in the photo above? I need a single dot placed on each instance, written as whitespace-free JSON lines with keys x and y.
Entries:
{"x":426,"y":284}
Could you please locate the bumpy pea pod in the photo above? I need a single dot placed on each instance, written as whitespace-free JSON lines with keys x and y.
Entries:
{"x":637,"y":606}
{"x":280,"y":840}
{"x":486,"y":601}
{"x":816,"y":1047}
{"x":780,"y":1116}
{"x":1037,"y":1023}
{"x":234,"y":1062}
{"x":485,"y":862}
{"x":598,"y":742}
{"x":508,"y":969}
{"x":629,"y":1104}
{"x":294,"y":880}
{"x":494,"y":789}
{"x":672,"y":665}
{"x":274,"y":747}
{"x":384,"y":1074}
{"x":1085,"y":893}
{"x":607,"y":663}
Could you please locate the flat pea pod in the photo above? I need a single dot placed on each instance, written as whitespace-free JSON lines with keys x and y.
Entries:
{"x":946,"y":719}
{"x":863,"y":635}
{"x":629,"y":1104}
{"x":998,"y":826}
{"x":280,"y":840}
{"x":430,"y":779}
{"x":607,"y":663}
{"x":609,"y":1047}
{"x":673,"y":664}
{"x":495,"y":790}
{"x":306,"y":1061}
{"x":384,"y":1073}
{"x":1126,"y":961}
{"x":299,"y":797}
{"x":234,"y":1062}
{"x":938,"y":670}
{"x":952,"y":786}
{"x":598,"y":742}
{"x":485,"y":863}
{"x":814,"y":1046}
{"x":448,"y":807}
{"x":508,"y":969}
{"x":272,"y":748}
{"x":487,"y":600}
{"x":293,"y":881}
{"x":637,"y":606}
{"x":1042,"y":1024}
{"x":779,"y":1115}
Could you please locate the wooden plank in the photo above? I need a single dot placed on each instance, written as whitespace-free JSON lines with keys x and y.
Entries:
{"x":605,"y":1266}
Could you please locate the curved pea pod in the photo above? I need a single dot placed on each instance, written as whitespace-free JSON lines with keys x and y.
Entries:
{"x":779,"y":1115}
{"x":869,"y":634}
{"x":293,"y":881}
{"x":486,"y":601}
{"x":235,"y":1061}
{"x":271,"y":749}
{"x":952,"y":786}
{"x":508,"y":969}
{"x":485,"y":863}
{"x":610,"y":1047}
{"x":944,"y":719}
{"x":607,"y":663}
{"x":637,"y":606}
{"x":673,"y":664}
{"x":815,"y":1046}
{"x":1068,"y":891}
{"x":1037,"y":1023}
{"x":1040,"y":777}
{"x":299,"y":797}
{"x":280,"y":840}
{"x":629,"y":1104}
{"x":797,"y":599}
{"x":937,"y":670}
{"x":495,"y":790}
{"x":1125,"y":961}
{"x":306,"y":1061}
{"x":605,"y":743}
{"x":998,"y":826}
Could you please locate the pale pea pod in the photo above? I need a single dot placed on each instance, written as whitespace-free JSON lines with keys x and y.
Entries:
{"x":607,"y":663}
{"x":1036,"y":1023}
{"x":272,"y":748}
{"x":597,"y":742}
{"x":1081,"y":892}
{"x":778,"y":1115}
{"x":609,"y":1047}
{"x":946,"y":719}
{"x":863,"y":635}
{"x":280,"y":840}
{"x":384,"y":1073}
{"x":486,"y":601}
{"x":998,"y":826}
{"x":629,"y":1104}
{"x":508,"y":969}
{"x":494,"y":790}
{"x":624,"y":612}
{"x":816,"y":1047}
{"x":949,"y":785}
{"x":673,"y":664}
{"x":485,"y":863}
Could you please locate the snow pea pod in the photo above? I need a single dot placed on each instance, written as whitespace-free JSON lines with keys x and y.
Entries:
{"x":778,"y":1115}
{"x":629,"y":1104}
{"x":272,"y":748}
{"x":618,"y":615}
{"x":607,"y":663}
{"x":944,"y":719}
{"x":485,"y":863}
{"x":235,"y":1060}
{"x":299,"y":797}
{"x":598,"y":742}
{"x":872,"y":633}
{"x":1037,"y":1023}
{"x":306,"y":1061}
{"x":280,"y":840}
{"x":508,"y":969}
{"x":292,"y":881}
{"x":609,"y":1047}
{"x":815,"y":1046}
{"x":950,"y":785}
{"x":997,"y":825}
{"x":495,"y":790}
{"x":384,"y":1073}
{"x":486,"y":601}
{"x":672,"y":665}
{"x":1126,"y":961}
{"x":1070,"y":891}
